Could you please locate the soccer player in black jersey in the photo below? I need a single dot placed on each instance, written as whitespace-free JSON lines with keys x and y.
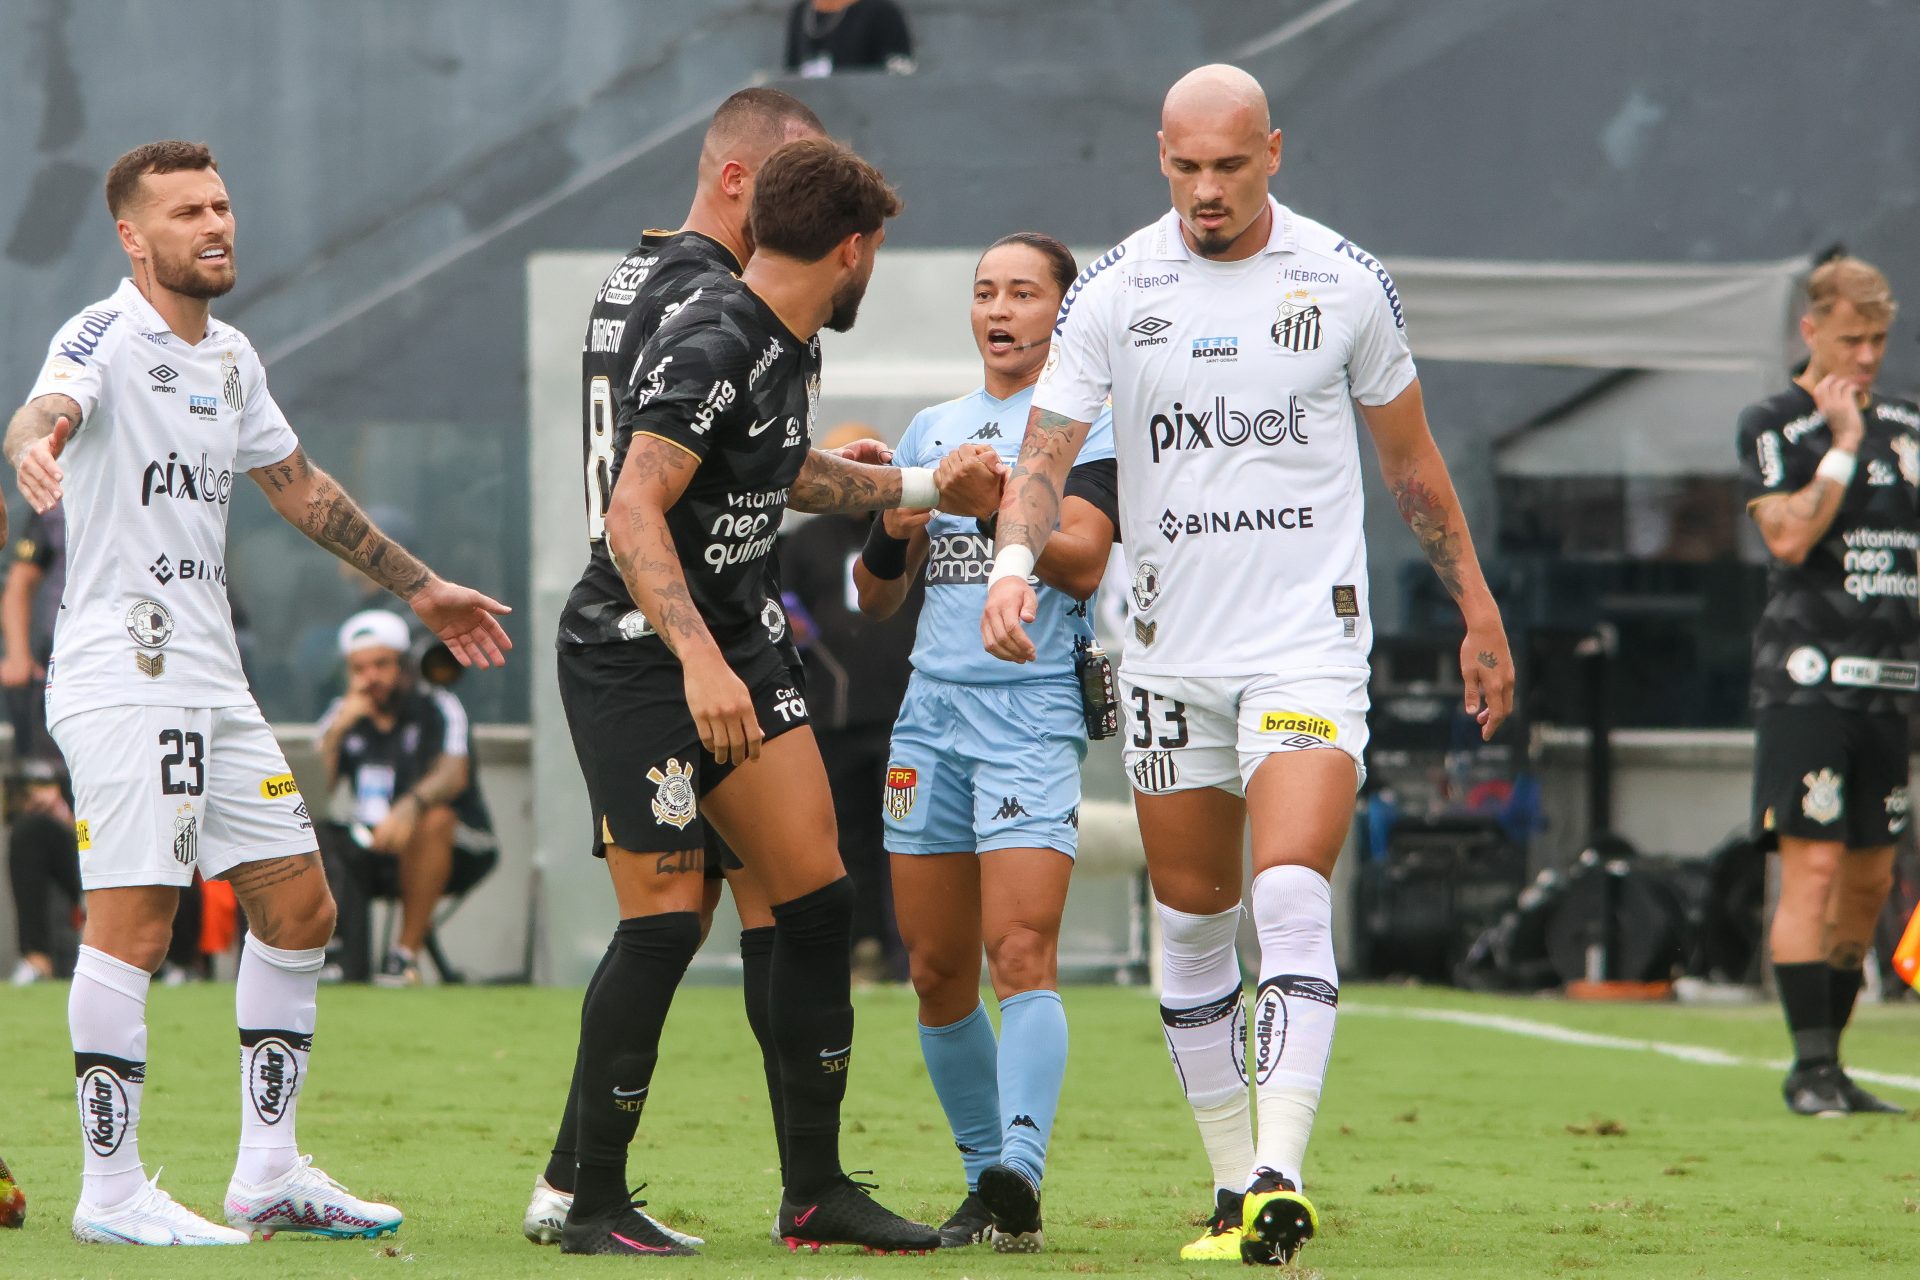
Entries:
{"x":659,"y":275}
{"x":1831,"y":473}
{"x":689,"y":714}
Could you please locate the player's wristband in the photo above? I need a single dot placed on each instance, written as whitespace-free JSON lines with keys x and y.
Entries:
{"x":884,"y":555}
{"x":1011,"y":562}
{"x":917,"y":489}
{"x":1838,"y":466}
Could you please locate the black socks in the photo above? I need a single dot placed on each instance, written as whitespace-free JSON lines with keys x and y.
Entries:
{"x":1806,"y":992}
{"x":620,"y":1022}
{"x":756,"y":976}
{"x":811,"y":1016}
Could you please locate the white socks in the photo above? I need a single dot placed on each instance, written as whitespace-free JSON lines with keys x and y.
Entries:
{"x":276,"y":1007}
{"x":107,"y":1016}
{"x":1293,"y":1014}
{"x":1204,"y":1015}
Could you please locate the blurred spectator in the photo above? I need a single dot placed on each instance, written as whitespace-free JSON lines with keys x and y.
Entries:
{"x":857,"y":671}
{"x":36,"y":577}
{"x":41,"y":856}
{"x":405,"y":751}
{"x":828,"y":36}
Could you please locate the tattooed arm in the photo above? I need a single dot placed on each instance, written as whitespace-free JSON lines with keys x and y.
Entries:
{"x":968,"y":479}
{"x":35,"y":438}
{"x":1794,"y":523}
{"x":1416,"y":475}
{"x":313,"y":502}
{"x":1028,"y":513}
{"x":652,"y":477}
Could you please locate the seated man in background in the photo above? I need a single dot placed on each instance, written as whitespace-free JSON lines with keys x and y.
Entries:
{"x":406,"y":752}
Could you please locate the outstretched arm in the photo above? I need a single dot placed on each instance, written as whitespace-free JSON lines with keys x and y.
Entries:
{"x":1417,"y":477}
{"x":314,"y":503}
{"x":1028,"y":514}
{"x":38,"y":432}
{"x":966,"y":483}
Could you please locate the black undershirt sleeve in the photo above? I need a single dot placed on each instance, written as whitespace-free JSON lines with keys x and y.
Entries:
{"x":1098,"y":483}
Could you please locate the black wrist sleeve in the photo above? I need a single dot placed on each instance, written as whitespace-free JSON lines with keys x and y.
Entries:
{"x":884,"y":555}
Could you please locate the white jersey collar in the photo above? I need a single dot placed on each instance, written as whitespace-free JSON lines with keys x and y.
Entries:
{"x":1169,"y":245}
{"x":134,"y":302}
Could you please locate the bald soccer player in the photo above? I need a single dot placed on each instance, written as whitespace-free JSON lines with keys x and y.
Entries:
{"x":1242,"y":344}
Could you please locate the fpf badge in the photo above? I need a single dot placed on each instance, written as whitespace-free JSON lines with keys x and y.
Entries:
{"x":902,"y":786}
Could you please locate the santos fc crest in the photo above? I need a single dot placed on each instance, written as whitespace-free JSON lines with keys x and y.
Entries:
{"x":673,"y":803}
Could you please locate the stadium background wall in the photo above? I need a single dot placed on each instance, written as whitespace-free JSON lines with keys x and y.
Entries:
{"x":395,"y":167}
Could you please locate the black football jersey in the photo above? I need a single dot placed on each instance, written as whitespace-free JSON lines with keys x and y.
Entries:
{"x":660,"y":273}
{"x":725,"y":380}
{"x":1840,"y":628}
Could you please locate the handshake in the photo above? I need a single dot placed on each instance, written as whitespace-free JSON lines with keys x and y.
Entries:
{"x":970,"y":480}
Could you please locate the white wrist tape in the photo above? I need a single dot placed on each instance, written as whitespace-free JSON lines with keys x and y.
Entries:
{"x":1011,"y":562}
{"x":1838,"y":466}
{"x":917,"y":489}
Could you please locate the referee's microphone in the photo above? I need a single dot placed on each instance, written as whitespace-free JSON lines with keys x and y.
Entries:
{"x":1028,"y":346}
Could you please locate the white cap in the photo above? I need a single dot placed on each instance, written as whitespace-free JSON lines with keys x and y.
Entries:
{"x":372,"y":627}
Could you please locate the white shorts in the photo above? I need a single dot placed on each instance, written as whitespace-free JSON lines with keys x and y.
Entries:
{"x":1181,"y":733}
{"x":160,"y":791}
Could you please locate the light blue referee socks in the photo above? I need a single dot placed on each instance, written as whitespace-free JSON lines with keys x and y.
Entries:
{"x":1033,"y":1062}
{"x":960,"y":1062}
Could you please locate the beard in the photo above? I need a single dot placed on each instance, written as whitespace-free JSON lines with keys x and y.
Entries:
{"x":1218,"y":241}
{"x":189,"y":278}
{"x":846,"y":305}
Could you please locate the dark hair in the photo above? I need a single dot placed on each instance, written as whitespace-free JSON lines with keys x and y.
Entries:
{"x":1059,"y":258}
{"x":170,"y":156}
{"x":814,"y":193}
{"x":760,"y":114}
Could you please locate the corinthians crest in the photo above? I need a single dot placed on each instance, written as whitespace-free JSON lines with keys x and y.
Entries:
{"x":1907,"y":449}
{"x":673,"y":803}
{"x":1297,"y":327}
{"x":1822,"y":801}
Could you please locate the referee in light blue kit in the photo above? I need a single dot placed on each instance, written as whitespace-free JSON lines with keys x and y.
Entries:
{"x":982,"y":799}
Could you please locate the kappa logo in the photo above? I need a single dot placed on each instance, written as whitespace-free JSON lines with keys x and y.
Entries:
{"x":989,"y":432}
{"x":1010,"y":807}
{"x":673,"y":799}
{"x":1023,"y":1122}
{"x":1151,"y":331}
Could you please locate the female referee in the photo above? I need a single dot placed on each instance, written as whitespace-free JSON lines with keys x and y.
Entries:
{"x":982,"y":798}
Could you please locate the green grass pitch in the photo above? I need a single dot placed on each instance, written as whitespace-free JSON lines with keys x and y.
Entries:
{"x":1442,"y":1151}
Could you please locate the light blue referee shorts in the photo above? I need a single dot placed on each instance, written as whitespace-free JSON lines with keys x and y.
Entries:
{"x":980,"y":767}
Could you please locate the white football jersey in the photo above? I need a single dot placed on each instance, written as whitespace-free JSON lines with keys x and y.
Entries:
{"x":1233,"y":386}
{"x":166,"y":431}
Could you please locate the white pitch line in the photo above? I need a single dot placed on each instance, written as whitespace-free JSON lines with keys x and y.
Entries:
{"x":1700,"y":1055}
{"x":1287,"y":31}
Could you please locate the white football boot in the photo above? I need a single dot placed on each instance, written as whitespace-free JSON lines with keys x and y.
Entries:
{"x":148,"y":1216}
{"x":305,"y":1199}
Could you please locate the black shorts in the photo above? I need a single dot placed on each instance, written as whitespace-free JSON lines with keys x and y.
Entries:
{"x":638,"y":748}
{"x":1820,"y":773}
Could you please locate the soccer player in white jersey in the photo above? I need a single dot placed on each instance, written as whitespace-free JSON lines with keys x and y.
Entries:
{"x":1236,"y":337}
{"x":144,"y":414}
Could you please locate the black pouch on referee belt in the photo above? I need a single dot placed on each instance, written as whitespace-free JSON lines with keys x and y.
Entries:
{"x":1099,"y":703}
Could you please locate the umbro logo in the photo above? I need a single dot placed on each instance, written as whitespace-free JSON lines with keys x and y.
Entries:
{"x":163,"y":378}
{"x":989,"y":432}
{"x":1150,"y":331}
{"x":1010,"y":807}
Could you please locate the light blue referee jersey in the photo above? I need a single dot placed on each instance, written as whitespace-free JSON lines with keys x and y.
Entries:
{"x":948,"y":644}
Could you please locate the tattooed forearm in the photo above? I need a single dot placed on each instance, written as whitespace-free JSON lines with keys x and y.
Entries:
{"x":33,"y":422}
{"x":1031,"y":507}
{"x":652,"y":476}
{"x":283,"y":476}
{"x":828,"y":483}
{"x":328,"y":515}
{"x":1431,"y":522}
